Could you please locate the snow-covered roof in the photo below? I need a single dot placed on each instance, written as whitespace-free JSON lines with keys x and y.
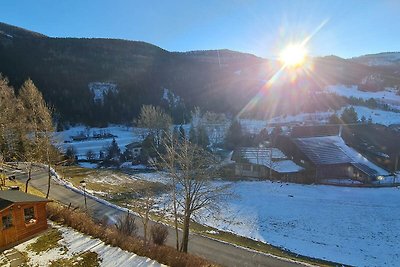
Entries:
{"x":328,"y":150}
{"x":262,"y":156}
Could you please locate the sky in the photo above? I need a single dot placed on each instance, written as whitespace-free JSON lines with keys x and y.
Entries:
{"x":343,"y":28}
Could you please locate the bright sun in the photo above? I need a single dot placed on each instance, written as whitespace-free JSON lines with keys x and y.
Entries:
{"x":293,"y":55}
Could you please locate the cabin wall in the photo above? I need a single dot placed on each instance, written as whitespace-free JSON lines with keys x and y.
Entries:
{"x":20,"y":229}
{"x":336,"y":171}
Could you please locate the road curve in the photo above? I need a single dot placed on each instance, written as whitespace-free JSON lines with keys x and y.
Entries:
{"x":214,"y":250}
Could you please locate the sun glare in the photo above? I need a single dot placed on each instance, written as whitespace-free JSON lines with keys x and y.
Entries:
{"x":293,"y":55}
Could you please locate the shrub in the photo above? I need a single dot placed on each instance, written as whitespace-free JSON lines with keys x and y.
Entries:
{"x":159,"y":233}
{"x":126,"y":225}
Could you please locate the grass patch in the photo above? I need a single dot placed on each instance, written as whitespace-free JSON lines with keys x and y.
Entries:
{"x":31,"y":190}
{"x":46,"y":242}
{"x":110,"y":182}
{"x":85,"y":259}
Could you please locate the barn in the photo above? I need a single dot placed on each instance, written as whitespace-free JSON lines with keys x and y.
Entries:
{"x":267,"y":163}
{"x":331,"y":158}
{"x":22,"y":216}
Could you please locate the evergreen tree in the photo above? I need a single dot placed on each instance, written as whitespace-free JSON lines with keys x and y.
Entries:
{"x":349,"y":115}
{"x":234,"y":136}
{"x":113,"y":151}
{"x":148,"y":149}
{"x":363,"y":119}
{"x":334,"y":119}
{"x":202,"y":137}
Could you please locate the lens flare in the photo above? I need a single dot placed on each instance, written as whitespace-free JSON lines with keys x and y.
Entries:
{"x":293,"y":55}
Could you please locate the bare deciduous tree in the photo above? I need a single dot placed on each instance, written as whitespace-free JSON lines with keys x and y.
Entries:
{"x":192,"y":169}
{"x":155,"y":120}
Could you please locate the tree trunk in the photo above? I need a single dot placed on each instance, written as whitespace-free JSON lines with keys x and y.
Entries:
{"x":185,"y":237}
{"x":49,"y":180}
{"x":29,"y":178}
{"x":176,"y":219}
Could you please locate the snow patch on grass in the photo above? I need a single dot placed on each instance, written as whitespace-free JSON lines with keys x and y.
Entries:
{"x":74,"y":243}
{"x":357,"y":226}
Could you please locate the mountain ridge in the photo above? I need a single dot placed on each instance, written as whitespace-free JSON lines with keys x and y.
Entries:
{"x":217,"y":80}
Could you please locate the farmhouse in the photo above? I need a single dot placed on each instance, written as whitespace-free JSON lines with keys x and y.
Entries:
{"x":264,"y":163}
{"x":22,"y":215}
{"x":135,"y":148}
{"x":331,"y":158}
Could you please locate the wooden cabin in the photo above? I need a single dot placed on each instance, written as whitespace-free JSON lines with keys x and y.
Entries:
{"x":22,"y":216}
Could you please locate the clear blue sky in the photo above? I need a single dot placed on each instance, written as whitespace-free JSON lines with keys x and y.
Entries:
{"x":259,"y":27}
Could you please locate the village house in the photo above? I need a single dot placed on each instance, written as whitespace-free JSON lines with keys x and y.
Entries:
{"x":135,"y":148}
{"x":330,"y":159}
{"x":266,"y":163}
{"x":22,"y":216}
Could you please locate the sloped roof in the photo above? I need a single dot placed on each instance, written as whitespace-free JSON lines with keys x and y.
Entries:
{"x":262,"y":156}
{"x":330,"y":150}
{"x":323,"y":150}
{"x":8,"y":197}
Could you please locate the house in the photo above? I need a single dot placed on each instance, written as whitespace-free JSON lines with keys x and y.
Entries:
{"x":264,"y":163}
{"x":135,"y":148}
{"x":22,"y":216}
{"x":330,"y":158}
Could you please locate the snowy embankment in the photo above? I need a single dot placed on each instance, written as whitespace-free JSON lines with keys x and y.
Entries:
{"x":356,"y":226}
{"x":73,"y":243}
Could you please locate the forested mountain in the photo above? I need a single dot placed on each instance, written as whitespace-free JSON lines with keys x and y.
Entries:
{"x":73,"y":74}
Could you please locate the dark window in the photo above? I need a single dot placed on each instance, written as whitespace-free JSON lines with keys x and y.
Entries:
{"x":7,"y":221}
{"x":29,"y":215}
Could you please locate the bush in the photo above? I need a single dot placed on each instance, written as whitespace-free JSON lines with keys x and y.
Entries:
{"x":126,"y":225}
{"x":159,"y":233}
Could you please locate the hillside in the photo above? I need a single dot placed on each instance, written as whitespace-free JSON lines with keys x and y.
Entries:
{"x":97,"y":81}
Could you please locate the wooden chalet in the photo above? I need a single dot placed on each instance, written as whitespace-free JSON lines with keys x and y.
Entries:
{"x":22,"y":216}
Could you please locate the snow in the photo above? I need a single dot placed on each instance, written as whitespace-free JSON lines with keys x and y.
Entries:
{"x":378,"y":116}
{"x":76,"y":243}
{"x":172,"y":99}
{"x":357,"y":157}
{"x":88,"y":165}
{"x":129,"y":165}
{"x":6,"y":34}
{"x":286,"y":166}
{"x":159,"y":177}
{"x":262,"y":156}
{"x":356,"y":226}
{"x":388,"y":96}
{"x":100,"y":89}
{"x":125,"y":135}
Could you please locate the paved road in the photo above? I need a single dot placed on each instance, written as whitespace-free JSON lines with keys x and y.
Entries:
{"x":214,"y":250}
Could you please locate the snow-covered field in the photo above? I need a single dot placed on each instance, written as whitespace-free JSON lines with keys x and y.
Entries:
{"x":125,"y":135}
{"x":74,"y":243}
{"x":387,"y":96}
{"x":356,"y":226}
{"x":378,"y":116}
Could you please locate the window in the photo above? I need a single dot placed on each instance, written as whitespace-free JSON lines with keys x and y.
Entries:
{"x":29,"y":215}
{"x":7,"y":221}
